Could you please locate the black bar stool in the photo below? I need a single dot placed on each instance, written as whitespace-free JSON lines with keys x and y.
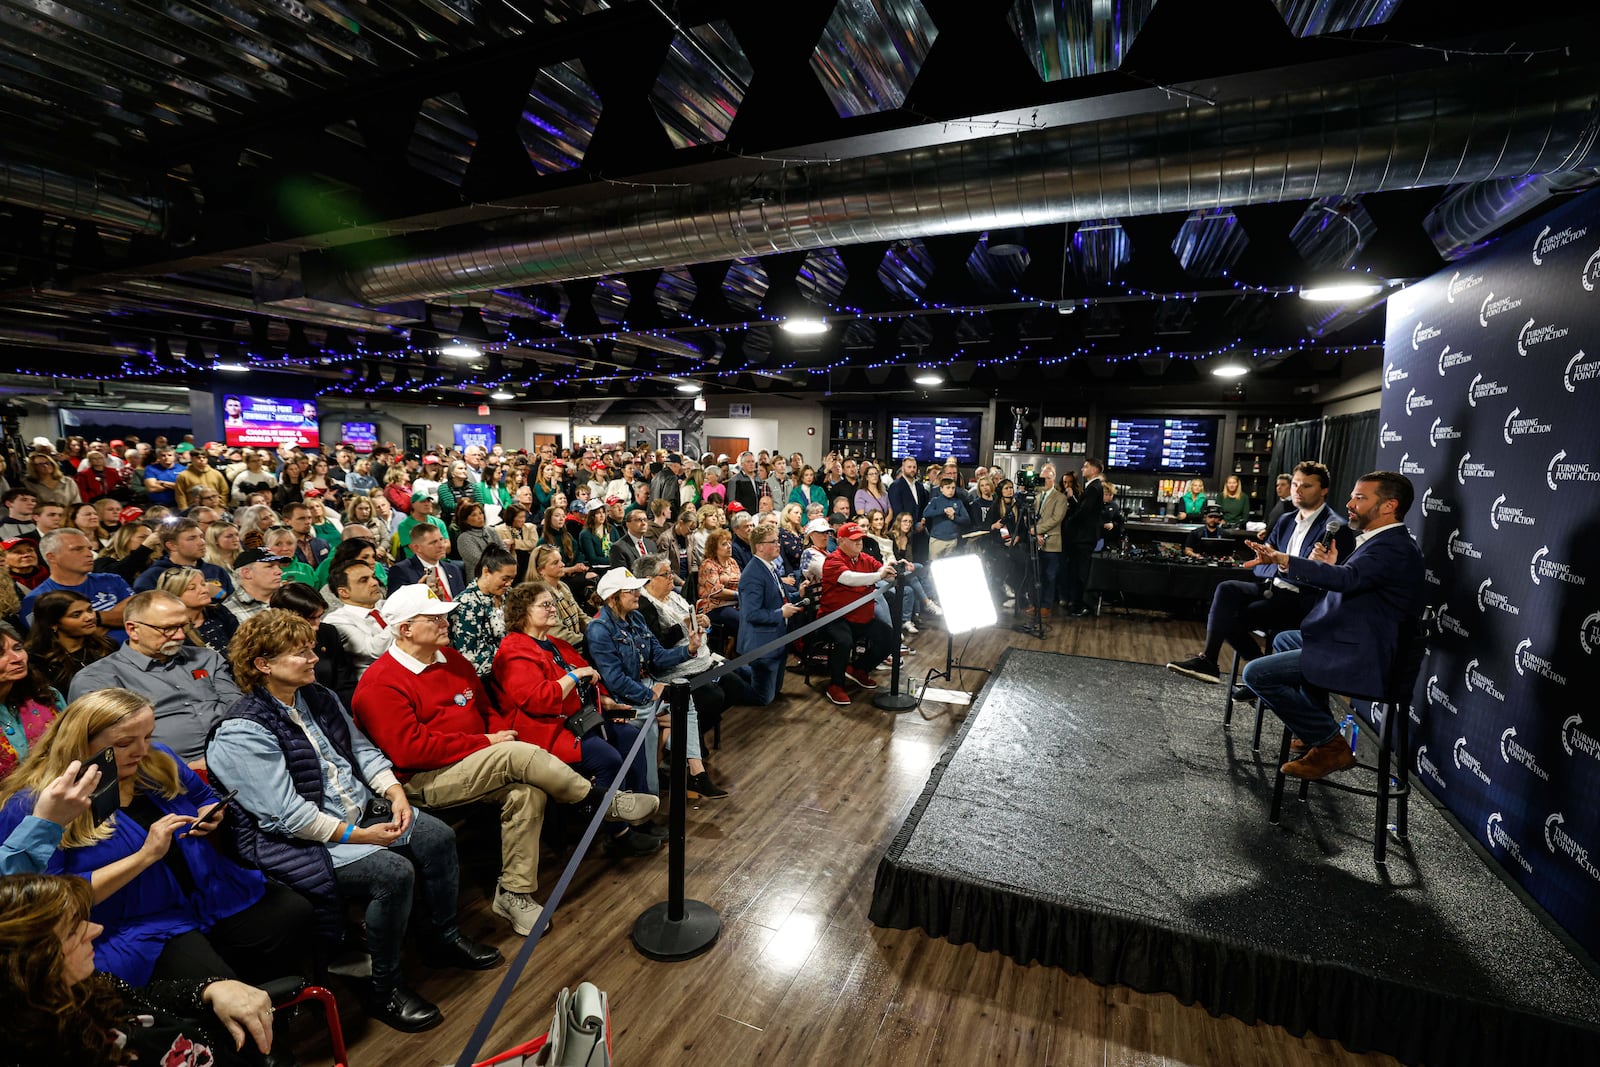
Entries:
{"x":1233,"y":682}
{"x":1394,"y":737}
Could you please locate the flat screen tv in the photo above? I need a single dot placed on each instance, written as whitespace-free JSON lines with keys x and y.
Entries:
{"x":935,"y":437}
{"x":1163,"y":445}
{"x":361,"y":436}
{"x":474,"y":433}
{"x":269,"y":421}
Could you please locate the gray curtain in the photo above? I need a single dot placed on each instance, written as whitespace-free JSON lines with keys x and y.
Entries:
{"x":1350,"y":447}
{"x":1293,"y":442}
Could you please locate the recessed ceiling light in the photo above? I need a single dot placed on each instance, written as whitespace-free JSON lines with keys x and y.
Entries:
{"x":501,"y":394}
{"x":928,"y":377}
{"x":688,"y":387}
{"x":1340,"y":291}
{"x":232,"y":368}
{"x":461,"y":350}
{"x":1231,"y":369}
{"x":804,"y":325}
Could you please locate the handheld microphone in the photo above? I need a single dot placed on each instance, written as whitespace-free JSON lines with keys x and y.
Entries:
{"x":1329,"y":532}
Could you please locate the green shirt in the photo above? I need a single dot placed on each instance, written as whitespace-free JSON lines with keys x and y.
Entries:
{"x":403,"y":534}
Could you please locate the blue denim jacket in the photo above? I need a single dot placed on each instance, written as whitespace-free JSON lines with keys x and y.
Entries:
{"x":622,"y":649}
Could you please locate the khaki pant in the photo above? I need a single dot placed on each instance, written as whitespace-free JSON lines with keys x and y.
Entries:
{"x":517,"y":776}
{"x":938,"y":548}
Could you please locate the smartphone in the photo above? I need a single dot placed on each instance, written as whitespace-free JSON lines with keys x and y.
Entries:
{"x":215,"y":814}
{"x":105,"y":800}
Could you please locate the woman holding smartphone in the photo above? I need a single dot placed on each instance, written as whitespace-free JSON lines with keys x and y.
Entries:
{"x":321,"y":811}
{"x":172,"y":905}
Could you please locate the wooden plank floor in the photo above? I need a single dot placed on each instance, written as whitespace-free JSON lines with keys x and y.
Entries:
{"x":799,"y":976}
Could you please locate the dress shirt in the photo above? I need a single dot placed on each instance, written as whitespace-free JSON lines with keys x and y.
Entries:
{"x":248,"y":757}
{"x":190,"y":690}
{"x":363,"y":631}
{"x":1363,"y":538}
{"x":1302,"y":524}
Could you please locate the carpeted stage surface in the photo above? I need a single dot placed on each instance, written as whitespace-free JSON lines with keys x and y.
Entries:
{"x":1095,"y":816}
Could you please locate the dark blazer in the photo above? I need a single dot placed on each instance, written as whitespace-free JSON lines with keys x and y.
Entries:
{"x":1082,"y":526}
{"x":1283,"y":530}
{"x":761,"y":601}
{"x":745,"y":489}
{"x":409,"y":571}
{"x":1352,"y":633}
{"x":909,"y":496}
{"x":624,"y":555}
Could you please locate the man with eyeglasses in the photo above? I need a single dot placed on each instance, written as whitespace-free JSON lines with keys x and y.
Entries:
{"x":189,"y":686}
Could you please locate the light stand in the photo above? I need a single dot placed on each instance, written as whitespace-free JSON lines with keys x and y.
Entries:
{"x":894,"y":700}
{"x":968,"y":605}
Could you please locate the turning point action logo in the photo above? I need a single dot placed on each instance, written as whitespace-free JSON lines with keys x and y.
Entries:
{"x":1440,"y":432}
{"x":1541,"y":566}
{"x":1495,"y":831}
{"x":1387,"y":437}
{"x":1450,"y":624}
{"x":1591,"y":272}
{"x":1448,"y":359}
{"x":1526,"y":662}
{"x":1512,"y":752}
{"x":1468,"y":469}
{"x":1531,"y":335}
{"x":1416,"y":401}
{"x":1574,"y":740}
{"x":1421,"y":333}
{"x":1478,"y":389}
{"x":1437,"y":697}
{"x":1578,"y":370}
{"x":1466,"y":761}
{"x":1589,"y":633}
{"x":1489,"y":597}
{"x":1548,"y":242}
{"x":1498,"y":513}
{"x":1492,"y":307}
{"x":1392,"y":374}
{"x":1428,"y":767}
{"x":1561,"y":843}
{"x":1558,"y":470}
{"x":1515,"y":427}
{"x":1408,"y":466}
{"x":1460,"y":283}
{"x":1476,"y":679}
{"x":1432,"y":504}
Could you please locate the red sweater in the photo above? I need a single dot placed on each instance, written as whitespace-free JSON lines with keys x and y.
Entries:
{"x":425,"y":721}
{"x":528,"y":680}
{"x":835,"y":595}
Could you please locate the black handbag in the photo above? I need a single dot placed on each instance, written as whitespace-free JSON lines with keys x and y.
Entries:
{"x":588,"y":716}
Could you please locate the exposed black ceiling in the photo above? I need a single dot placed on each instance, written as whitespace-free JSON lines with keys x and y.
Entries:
{"x":606,"y":197}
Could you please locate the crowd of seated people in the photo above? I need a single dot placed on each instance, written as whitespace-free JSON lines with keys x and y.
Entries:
{"x":317,"y":660}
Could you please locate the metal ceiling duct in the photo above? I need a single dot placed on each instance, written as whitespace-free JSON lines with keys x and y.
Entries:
{"x":1466,"y":219}
{"x":78,"y":198}
{"x":1464,"y":123}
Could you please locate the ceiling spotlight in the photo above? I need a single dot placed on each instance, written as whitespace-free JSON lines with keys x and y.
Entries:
{"x":1233,"y":368}
{"x":928,"y":377}
{"x":688,"y":387}
{"x":461,"y":350}
{"x":804,"y":325}
{"x":232,"y":368}
{"x":1341,"y":290}
{"x":1066,"y":309}
{"x":501,"y":394}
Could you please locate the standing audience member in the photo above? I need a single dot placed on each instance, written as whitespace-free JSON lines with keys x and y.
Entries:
{"x":308,"y":780}
{"x":946,"y":517}
{"x":909,"y":495}
{"x":766,"y":604}
{"x":1282,"y":504}
{"x":1235,"y":502}
{"x":188,"y":687}
{"x":65,"y":638}
{"x":425,"y":707}
{"x":47,"y":482}
{"x":28,"y":702}
{"x":196,"y":476}
{"x":98,"y":478}
{"x":172,"y":904}
{"x":161,"y":478}
{"x":1051,"y":516}
{"x":1081,"y":529}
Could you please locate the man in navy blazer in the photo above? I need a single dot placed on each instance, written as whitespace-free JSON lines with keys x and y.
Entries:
{"x":1270,"y":602}
{"x":765,"y":607}
{"x":908,"y":493}
{"x":1348,"y":641}
{"x":427,"y":565}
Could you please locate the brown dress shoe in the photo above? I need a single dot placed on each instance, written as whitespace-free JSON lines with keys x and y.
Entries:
{"x":1297,"y":747}
{"x":1323,"y":760}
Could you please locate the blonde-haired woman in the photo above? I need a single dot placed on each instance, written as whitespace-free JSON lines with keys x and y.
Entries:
{"x":172,"y":905}
{"x":223,"y":545}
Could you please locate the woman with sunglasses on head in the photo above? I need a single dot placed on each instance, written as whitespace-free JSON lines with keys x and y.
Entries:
{"x":210,"y":624}
{"x":66,"y":637}
{"x":173,"y":906}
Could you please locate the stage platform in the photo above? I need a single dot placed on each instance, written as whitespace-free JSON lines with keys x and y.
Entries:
{"x":1095,"y":816}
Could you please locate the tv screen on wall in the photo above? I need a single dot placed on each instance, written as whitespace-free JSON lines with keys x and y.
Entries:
{"x":1157,"y":445}
{"x":269,"y":421}
{"x":936,"y":437}
{"x":362,"y":436}
{"x":475,"y":433}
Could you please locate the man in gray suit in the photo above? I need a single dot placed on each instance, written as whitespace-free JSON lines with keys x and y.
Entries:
{"x":1052,"y":505}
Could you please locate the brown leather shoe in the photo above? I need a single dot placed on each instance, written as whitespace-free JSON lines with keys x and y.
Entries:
{"x":1297,"y":747}
{"x":1323,"y":760}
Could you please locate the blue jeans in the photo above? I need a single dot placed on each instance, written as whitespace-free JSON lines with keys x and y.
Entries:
{"x":601,"y":758}
{"x":387,"y":877}
{"x":1049,"y":571}
{"x":1276,"y":679}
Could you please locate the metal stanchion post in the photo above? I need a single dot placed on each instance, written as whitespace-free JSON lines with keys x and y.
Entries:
{"x":677,"y":929}
{"x":894,"y":699}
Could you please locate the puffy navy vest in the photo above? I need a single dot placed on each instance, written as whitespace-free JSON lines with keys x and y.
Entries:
{"x":304,"y":866}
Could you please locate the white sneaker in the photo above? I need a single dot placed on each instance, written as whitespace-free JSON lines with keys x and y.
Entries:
{"x":933,"y":609}
{"x":519,"y":909}
{"x":632,"y":807}
{"x":909,"y":627}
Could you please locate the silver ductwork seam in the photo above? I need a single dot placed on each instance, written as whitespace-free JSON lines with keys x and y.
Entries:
{"x":79,"y":198}
{"x":1460,"y":223}
{"x":1461,"y":124}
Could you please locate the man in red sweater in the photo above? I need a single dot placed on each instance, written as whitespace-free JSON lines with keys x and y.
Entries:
{"x":423,"y":704}
{"x":847,"y":574}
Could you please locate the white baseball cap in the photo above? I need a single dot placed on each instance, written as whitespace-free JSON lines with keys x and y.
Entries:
{"x":409,"y":601}
{"x":616,"y":580}
{"x":818,"y":526}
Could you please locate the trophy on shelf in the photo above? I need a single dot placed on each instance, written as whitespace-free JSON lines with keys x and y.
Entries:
{"x":1020,"y":415}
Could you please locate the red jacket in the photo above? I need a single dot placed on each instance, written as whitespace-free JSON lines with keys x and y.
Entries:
{"x":528,"y":681}
{"x":425,"y":721}
{"x":835,"y":595}
{"x":92,"y":483}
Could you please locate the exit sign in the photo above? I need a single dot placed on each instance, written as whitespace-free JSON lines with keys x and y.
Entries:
{"x":738,"y":411}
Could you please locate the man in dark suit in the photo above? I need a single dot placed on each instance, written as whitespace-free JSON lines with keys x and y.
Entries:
{"x":909,"y":493}
{"x":1349,"y":640}
{"x":765,"y":608}
{"x":743,"y":484}
{"x":1080,"y":531}
{"x":1269,"y":601}
{"x":633,"y":545}
{"x":427,"y":565}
